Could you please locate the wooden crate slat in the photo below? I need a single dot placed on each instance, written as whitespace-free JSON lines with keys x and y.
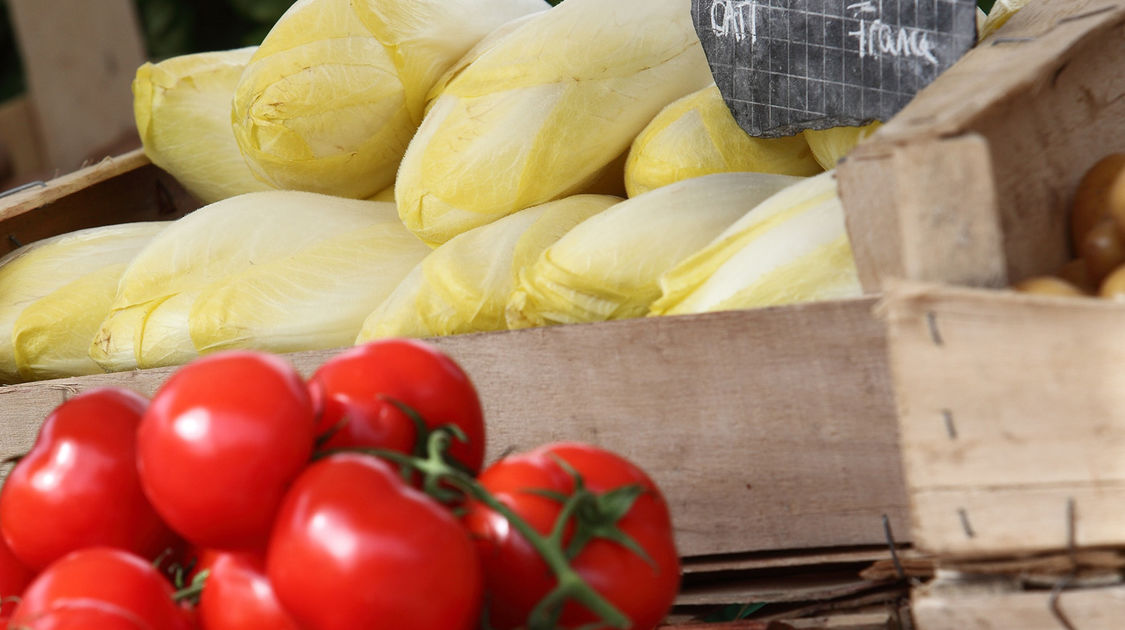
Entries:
{"x":1045,"y":94}
{"x":1010,"y":407}
{"x":116,"y":190}
{"x":769,"y":429}
{"x":1087,"y":609}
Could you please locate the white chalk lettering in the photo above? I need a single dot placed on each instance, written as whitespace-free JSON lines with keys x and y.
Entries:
{"x":735,"y":18}
{"x":876,"y":38}
{"x":867,"y":6}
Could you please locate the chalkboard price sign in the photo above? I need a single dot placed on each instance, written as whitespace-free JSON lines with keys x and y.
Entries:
{"x":787,"y":65}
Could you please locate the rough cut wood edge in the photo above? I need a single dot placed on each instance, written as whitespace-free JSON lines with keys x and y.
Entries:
{"x":116,"y":190}
{"x":1087,"y":609}
{"x":1047,"y":94}
{"x":767,"y":429}
{"x":37,"y":197}
{"x":1010,"y":407}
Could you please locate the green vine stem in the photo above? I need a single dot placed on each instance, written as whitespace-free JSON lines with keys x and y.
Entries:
{"x":439,"y":475}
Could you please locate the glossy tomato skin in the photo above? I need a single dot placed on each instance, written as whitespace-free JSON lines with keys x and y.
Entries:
{"x":238,"y":596}
{"x":78,"y":486}
{"x":14,"y":577}
{"x":220,"y":443}
{"x":516,"y":578}
{"x":348,"y":387}
{"x":355,"y":547}
{"x":99,"y":587}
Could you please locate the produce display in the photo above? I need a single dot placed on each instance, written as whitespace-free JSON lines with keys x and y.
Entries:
{"x":1097,"y":234}
{"x":247,"y":497}
{"x":384,"y":168}
{"x":56,"y":293}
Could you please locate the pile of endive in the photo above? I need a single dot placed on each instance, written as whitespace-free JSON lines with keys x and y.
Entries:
{"x":431,"y":167}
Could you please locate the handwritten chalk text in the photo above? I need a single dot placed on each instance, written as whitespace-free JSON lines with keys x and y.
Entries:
{"x":737,"y":18}
{"x":876,"y":38}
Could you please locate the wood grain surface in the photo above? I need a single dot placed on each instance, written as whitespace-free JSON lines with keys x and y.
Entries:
{"x":1011,"y":409}
{"x":768,"y":429}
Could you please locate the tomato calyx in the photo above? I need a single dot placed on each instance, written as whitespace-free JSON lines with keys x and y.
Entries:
{"x":593,"y":516}
{"x":191,"y":592}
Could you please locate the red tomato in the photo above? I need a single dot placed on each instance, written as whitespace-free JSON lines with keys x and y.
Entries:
{"x":14,"y":577}
{"x":220,"y":443}
{"x":99,"y":587}
{"x":237,"y":596}
{"x":356,"y":547}
{"x":516,"y":578}
{"x":348,"y":387}
{"x":78,"y":487}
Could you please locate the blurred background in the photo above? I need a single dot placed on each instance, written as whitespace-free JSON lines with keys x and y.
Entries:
{"x":66,"y":66}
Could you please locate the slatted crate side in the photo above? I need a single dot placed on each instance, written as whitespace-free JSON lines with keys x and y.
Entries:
{"x":989,"y":606}
{"x":1012,"y":419}
{"x":116,"y":190}
{"x":769,"y":429}
{"x":969,"y":183}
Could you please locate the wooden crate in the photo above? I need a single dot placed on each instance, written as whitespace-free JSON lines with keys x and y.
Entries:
{"x":1012,"y":426}
{"x":1011,"y":417}
{"x":969,"y":184}
{"x":772,"y":432}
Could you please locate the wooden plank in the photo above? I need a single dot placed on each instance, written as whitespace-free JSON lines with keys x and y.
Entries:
{"x":122,"y":189}
{"x":1088,"y":609}
{"x":1047,"y":95}
{"x":1011,"y":406}
{"x":19,"y":137}
{"x":767,"y":429}
{"x":80,"y":58}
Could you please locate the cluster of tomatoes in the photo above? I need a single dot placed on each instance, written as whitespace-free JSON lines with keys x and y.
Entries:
{"x":243,"y":497}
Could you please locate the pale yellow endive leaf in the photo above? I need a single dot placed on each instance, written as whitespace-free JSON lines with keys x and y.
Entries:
{"x":54,"y":294}
{"x":277,"y":271}
{"x":336,"y":90}
{"x":790,"y":248}
{"x":182,"y":109}
{"x":538,"y":115}
{"x":697,"y":135}
{"x":609,"y":266}
{"x":829,"y":145}
{"x":463,"y":285}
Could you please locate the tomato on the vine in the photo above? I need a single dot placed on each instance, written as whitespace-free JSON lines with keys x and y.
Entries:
{"x":78,"y":486}
{"x":355,"y":546}
{"x":354,"y":387}
{"x":641,"y":582}
{"x":220,"y":443}
{"x":238,"y":596}
{"x":99,"y":587}
{"x":14,"y":577}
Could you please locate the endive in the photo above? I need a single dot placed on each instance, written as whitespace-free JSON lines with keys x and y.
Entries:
{"x":280,"y":271}
{"x":54,"y":294}
{"x":697,"y":135}
{"x":609,"y":266}
{"x":1001,"y":12}
{"x":336,"y":90}
{"x":463,"y":286}
{"x":829,"y":145}
{"x":791,"y":248}
{"x":539,"y":114}
{"x":182,"y":109}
